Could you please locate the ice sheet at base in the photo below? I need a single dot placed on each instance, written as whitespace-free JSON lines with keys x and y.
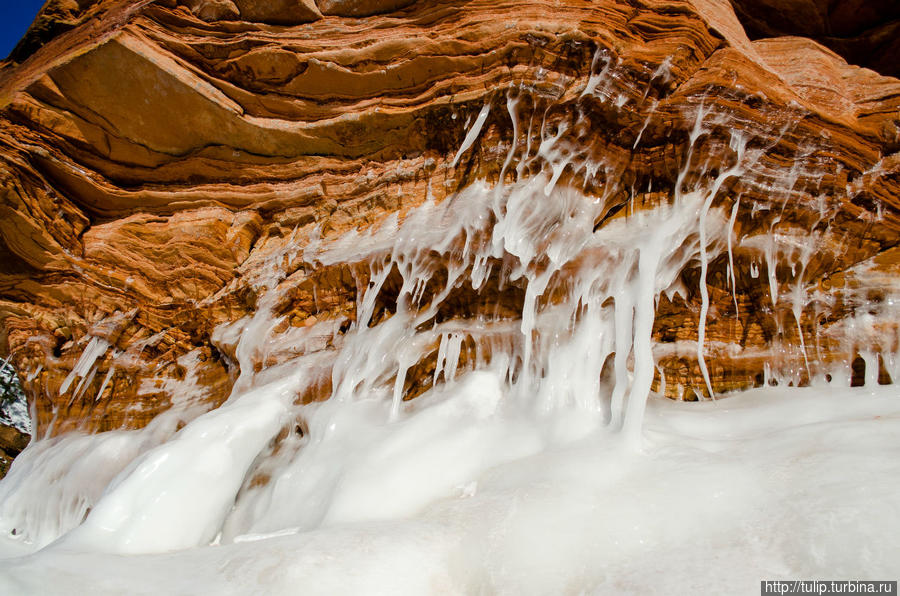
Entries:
{"x":774,"y":483}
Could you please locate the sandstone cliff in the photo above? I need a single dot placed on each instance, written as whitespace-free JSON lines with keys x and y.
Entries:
{"x":157,"y":157}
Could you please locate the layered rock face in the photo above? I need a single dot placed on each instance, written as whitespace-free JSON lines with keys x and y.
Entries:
{"x":866,"y":33}
{"x":160,"y":159}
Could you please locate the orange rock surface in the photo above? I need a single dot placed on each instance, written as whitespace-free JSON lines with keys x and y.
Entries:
{"x":155,"y":156}
{"x":865,"y":32}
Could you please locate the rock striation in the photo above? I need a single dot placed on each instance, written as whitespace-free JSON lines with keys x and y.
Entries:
{"x":158,"y":158}
{"x":866,"y":33}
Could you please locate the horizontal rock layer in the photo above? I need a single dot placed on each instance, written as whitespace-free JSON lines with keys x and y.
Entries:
{"x":864,"y":32}
{"x":158,"y":159}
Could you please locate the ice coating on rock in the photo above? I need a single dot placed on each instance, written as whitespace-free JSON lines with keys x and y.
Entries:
{"x":578,"y":358}
{"x":533,"y":408}
{"x":84,"y":368}
{"x":175,"y":495}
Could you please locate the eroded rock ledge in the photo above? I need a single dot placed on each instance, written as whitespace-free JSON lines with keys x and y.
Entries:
{"x":156,"y":157}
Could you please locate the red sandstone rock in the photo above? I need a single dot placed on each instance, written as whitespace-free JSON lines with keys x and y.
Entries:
{"x":360,"y":8}
{"x":864,"y":32}
{"x":155,"y":156}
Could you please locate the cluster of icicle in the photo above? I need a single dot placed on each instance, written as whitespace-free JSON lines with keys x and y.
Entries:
{"x":590,"y":301}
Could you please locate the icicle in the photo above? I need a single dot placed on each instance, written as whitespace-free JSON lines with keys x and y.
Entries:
{"x":871,"y":360}
{"x":512,"y":104}
{"x":472,"y":134}
{"x":731,"y":222}
{"x":93,"y":351}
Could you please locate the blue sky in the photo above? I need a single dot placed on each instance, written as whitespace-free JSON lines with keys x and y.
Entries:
{"x":15,"y":17}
